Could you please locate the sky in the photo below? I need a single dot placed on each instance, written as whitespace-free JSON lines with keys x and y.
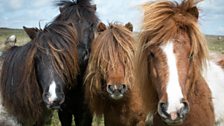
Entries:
{"x":19,"y":13}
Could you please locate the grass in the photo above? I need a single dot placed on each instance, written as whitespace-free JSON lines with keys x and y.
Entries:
{"x":20,"y":35}
{"x":56,"y":122}
{"x":216,"y":44}
{"x":213,"y":42}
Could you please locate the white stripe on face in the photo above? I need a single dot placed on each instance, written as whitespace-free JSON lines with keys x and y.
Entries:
{"x":173,"y":89}
{"x":52,"y":92}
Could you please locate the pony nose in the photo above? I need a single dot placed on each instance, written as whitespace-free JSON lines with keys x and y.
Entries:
{"x":121,"y":88}
{"x":53,"y":102}
{"x":172,"y":116}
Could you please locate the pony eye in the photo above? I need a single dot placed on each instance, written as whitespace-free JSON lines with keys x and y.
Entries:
{"x":151,"y":54}
{"x":191,"y":56}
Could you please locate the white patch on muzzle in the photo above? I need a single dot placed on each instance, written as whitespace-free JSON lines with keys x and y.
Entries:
{"x":173,"y":89}
{"x":52,"y":92}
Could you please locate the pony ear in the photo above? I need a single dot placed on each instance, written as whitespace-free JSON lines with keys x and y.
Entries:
{"x":31,"y":32}
{"x":61,"y":9}
{"x":94,"y":7}
{"x":194,"y":11}
{"x":129,"y":26}
{"x":101,"y":27}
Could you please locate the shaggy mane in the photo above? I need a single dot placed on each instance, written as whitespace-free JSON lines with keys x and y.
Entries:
{"x":74,"y":11}
{"x":165,"y":21}
{"x":116,"y":41}
{"x":19,"y":86}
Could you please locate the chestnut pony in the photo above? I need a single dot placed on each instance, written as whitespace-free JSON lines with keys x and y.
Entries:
{"x":109,"y":87}
{"x":172,"y":53}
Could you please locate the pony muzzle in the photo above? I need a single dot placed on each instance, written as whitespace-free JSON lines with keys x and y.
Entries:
{"x":53,"y":103}
{"x":117,"y":92}
{"x":175,"y":117}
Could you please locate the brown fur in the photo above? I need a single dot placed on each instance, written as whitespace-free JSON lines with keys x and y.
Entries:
{"x":111,"y":60}
{"x":164,"y":21}
{"x":19,"y":86}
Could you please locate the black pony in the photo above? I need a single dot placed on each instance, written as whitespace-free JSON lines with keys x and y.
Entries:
{"x":49,"y":70}
{"x":83,"y":15}
{"x":35,"y":76}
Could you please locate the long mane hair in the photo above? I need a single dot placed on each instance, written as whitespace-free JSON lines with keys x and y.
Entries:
{"x":116,"y":41}
{"x":20,"y":90}
{"x":164,"y":21}
{"x":74,"y":11}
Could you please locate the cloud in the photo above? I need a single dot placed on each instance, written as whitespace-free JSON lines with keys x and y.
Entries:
{"x":122,"y":11}
{"x":17,"y":13}
{"x":11,"y":5}
{"x":221,"y":29}
{"x":41,"y":3}
{"x":212,"y":16}
{"x":29,"y":14}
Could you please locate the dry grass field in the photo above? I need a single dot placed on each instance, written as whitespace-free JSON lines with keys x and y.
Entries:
{"x":216,"y":45}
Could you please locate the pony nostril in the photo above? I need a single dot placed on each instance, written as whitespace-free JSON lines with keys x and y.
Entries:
{"x":123,"y":88}
{"x":58,"y":101}
{"x":184,"y":110}
{"x":62,"y":98}
{"x":46,"y":96}
{"x":110,"y":89}
{"x":162,"y":108}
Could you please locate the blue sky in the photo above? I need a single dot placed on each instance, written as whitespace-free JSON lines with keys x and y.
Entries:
{"x":18,"y":13}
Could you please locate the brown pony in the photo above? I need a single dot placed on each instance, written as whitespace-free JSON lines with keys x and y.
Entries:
{"x":172,"y":52}
{"x":109,"y":87}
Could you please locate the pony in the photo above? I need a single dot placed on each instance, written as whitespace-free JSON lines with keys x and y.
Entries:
{"x":171,"y":56}
{"x":109,"y":82}
{"x":83,"y":15}
{"x":5,"y":118}
{"x":36,"y":76}
{"x":214,"y":76}
{"x":214,"y":72}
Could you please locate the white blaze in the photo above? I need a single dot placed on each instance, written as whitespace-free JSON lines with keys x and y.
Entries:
{"x":173,"y":89}
{"x":52,"y":91}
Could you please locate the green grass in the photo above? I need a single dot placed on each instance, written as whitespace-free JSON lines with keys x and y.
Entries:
{"x":213,"y":43}
{"x":55,"y":121}
{"x":20,"y":35}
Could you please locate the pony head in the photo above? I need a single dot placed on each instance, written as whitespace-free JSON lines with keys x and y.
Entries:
{"x":83,"y":15}
{"x":110,"y":68}
{"x":174,"y":51}
{"x":54,"y":60}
